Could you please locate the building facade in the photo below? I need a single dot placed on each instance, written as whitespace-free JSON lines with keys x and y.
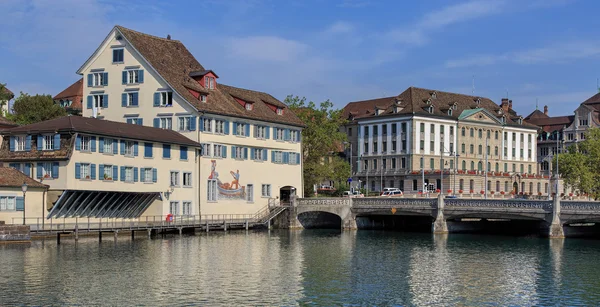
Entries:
{"x":71,"y":98}
{"x":443,"y":141}
{"x":5,"y":104}
{"x":14,"y":204}
{"x":250,"y":141}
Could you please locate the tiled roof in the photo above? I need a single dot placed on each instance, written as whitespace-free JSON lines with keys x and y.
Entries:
{"x":6,"y":90}
{"x":593,"y":99}
{"x":10,"y":177}
{"x":550,"y":124}
{"x":5,"y":122}
{"x":75,"y":89}
{"x":415,"y":101}
{"x":106,"y":128}
{"x":175,"y":63}
{"x":537,"y":114}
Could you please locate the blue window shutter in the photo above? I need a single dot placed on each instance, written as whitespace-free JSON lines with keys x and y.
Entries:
{"x":140,"y":121}
{"x":226,"y":124}
{"x":77,"y":170}
{"x":156,"y":123}
{"x":39,"y":142}
{"x":286,"y":134}
{"x":245,"y":153}
{"x":124,"y":74}
{"x":78,"y":142}
{"x":148,"y":150}
{"x":233,"y":152}
{"x":13,"y":165}
{"x":28,"y":142}
{"x":299,"y":135}
{"x":267,"y":133}
{"x":101,"y":145}
{"x":156,"y":99}
{"x":234,"y":128}
{"x":141,"y":76}
{"x":115,"y":174}
{"x":93,"y":171}
{"x":273,"y":156}
{"x":90,"y":80}
{"x":135,"y":174}
{"x":193,"y":120}
{"x":201,"y":128}
{"x":122,"y":173}
{"x":57,"y":141}
{"x":101,"y":171}
{"x":13,"y":141}
{"x":27,"y":169}
{"x":90,"y":101}
{"x":124,"y":99}
{"x":154,"y":175}
{"x":115,"y":147}
{"x":166,"y":151}
{"x":55,"y":170}
{"x":247,"y":129}
{"x":252,"y":153}
{"x":135,"y":149}
{"x":105,"y":79}
{"x":93,"y":144}
{"x":274,"y":133}
{"x":20,"y":203}
{"x":122,"y":147}
{"x":224,"y":152}
{"x":264,"y":155}
{"x":183,"y":152}
{"x":142,"y":177}
{"x":135,"y":99}
{"x":284,"y":157}
{"x":105,"y":101}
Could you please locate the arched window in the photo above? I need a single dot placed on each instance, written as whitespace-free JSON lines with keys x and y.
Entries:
{"x":480,"y":133}
{"x":471,"y":185}
{"x":496,"y":151}
{"x":472,"y":165}
{"x":480,"y":166}
{"x":464,"y":165}
{"x":497,"y":168}
{"x":539,"y":187}
{"x":472,"y":132}
{"x":462,"y":131}
{"x":531,"y":187}
{"x":489,"y":167}
{"x":480,"y":149}
{"x":461,"y":184}
{"x":497,"y":186}
{"x":489,"y":185}
{"x":496,"y":135}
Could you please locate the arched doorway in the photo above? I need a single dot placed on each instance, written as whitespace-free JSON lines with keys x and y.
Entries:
{"x":516,"y":188}
{"x":285,"y":194}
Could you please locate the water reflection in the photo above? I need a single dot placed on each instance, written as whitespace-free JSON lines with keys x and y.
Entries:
{"x":310,"y":267}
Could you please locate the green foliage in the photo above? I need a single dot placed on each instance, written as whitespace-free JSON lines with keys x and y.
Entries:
{"x":32,"y":109}
{"x":321,"y":141}
{"x":5,"y":96}
{"x":580,"y":166}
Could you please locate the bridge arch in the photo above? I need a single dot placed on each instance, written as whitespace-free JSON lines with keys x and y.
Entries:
{"x":319,"y":219}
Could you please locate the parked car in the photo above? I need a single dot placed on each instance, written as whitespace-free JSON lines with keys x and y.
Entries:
{"x":388,"y":190}
{"x":326,"y":187}
{"x":396,"y":193}
{"x":352,"y":194}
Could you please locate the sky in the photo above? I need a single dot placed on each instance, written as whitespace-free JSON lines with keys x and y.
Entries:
{"x":342,"y":50}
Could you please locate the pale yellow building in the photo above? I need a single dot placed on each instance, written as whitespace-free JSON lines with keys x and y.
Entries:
{"x":250,"y":141}
{"x":15,"y":206}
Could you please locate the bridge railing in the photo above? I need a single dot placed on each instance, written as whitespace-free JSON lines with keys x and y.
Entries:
{"x":579,"y":205}
{"x":498,"y":203}
{"x":324,"y":201}
{"x":399,"y":202}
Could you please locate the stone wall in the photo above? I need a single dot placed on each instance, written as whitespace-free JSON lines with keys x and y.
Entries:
{"x":14,"y":232}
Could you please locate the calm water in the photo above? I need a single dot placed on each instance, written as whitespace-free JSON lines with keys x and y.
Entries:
{"x":311,"y":267}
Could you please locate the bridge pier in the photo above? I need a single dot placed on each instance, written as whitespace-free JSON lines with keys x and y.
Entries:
{"x":556,"y":230}
{"x":349,"y":222}
{"x":440,"y":226}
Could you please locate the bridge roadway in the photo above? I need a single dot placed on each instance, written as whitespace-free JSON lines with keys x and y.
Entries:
{"x":556,"y":213}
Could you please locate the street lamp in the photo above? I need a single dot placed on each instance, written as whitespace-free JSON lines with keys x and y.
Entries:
{"x":351,"y":164}
{"x":24,"y":189}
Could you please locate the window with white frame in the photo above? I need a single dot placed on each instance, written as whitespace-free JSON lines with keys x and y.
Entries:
{"x":187,"y":208}
{"x":129,"y":148}
{"x":260,"y":132}
{"x":86,"y":142}
{"x":212,"y":190}
{"x":147,"y":174}
{"x":174,"y":178}
{"x":240,"y":129}
{"x":184,"y":123}
{"x":135,"y":121}
{"x":174,"y":207}
{"x":48,"y":142}
{"x":219,"y":126}
{"x":129,"y":174}
{"x":8,"y":203}
{"x":258,"y":154}
{"x":279,"y":111}
{"x":207,"y":125}
{"x":108,"y":172}
{"x":166,"y":123}
{"x":295,"y":158}
{"x":266,"y":190}
{"x":132,"y":99}
{"x":203,"y":98}
{"x":279,"y":134}
{"x":98,"y":79}
{"x":218,"y":151}
{"x":210,"y":82}
{"x":20,"y":143}
{"x":85,"y":171}
{"x":278,"y":156}
{"x":166,"y":99}
{"x":108,"y":146}
{"x":295,"y":135}
{"x":98,"y":101}
{"x":187,"y":179}
{"x":250,"y":193}
{"x":133,"y":76}
{"x":206,"y":150}
{"x":47,"y":170}
{"x":249,"y":106}
{"x":238,"y":153}
{"x":118,"y":55}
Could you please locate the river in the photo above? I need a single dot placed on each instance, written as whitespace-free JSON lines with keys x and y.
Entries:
{"x":310,"y":267}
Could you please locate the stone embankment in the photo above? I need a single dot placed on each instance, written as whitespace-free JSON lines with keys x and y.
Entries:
{"x":12,"y":233}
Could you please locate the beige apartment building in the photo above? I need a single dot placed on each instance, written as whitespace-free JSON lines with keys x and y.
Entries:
{"x":250,"y":141}
{"x":455,"y":142}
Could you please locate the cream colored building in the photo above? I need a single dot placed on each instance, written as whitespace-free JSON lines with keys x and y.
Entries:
{"x":251,"y":146}
{"x":99,"y":168}
{"x":14,"y":206}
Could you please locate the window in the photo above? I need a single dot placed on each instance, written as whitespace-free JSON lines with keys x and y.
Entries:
{"x":47,"y":170}
{"x":366,"y":131}
{"x":85,"y":171}
{"x":266,"y":190}
{"x":471,"y":149}
{"x":107,"y":172}
{"x":240,"y":129}
{"x":187,"y":179}
{"x":129,"y":148}
{"x":238,"y":152}
{"x":432,"y":129}
{"x":205,"y":150}
{"x":130,"y":99}
{"x":174,"y":207}
{"x":107,"y":147}
{"x":375,"y":146}
{"x":8,"y":203}
{"x":118,"y":55}
{"x":165,"y":123}
{"x":402,"y":162}
{"x":187,"y":208}
{"x":250,"y":193}
{"x":211,"y":190}
{"x":496,"y":135}
{"x":295,"y":136}
{"x":48,"y":142}
{"x":583,"y":122}
{"x":259,"y":154}
{"x":415,"y":185}
{"x":472,"y":132}
{"x":422,"y":126}
{"x":86,"y":143}
{"x":461,"y":184}
{"x":374,"y":163}
{"x":209,"y":82}
{"x":185,"y":124}
{"x":128,"y":174}
{"x":394,"y":129}
{"x":480,"y":133}
{"x":220,"y":126}
{"x":431,"y":146}
{"x":462,"y":131}
{"x":394,"y":145}
{"x":366,"y":148}
{"x":375,"y":130}
{"x":20,"y":143}
{"x":442,"y":129}
{"x":462,"y":148}
{"x":366,"y":165}
{"x":260,"y":132}
{"x":207,"y":125}
{"x":133,"y":76}
{"x":98,"y":79}
{"x":174,"y":179}
{"x":279,"y":134}
{"x":203,"y":98}
{"x":135,"y":121}
{"x":393,"y":163}
{"x":147,"y":174}
{"x":165,"y":99}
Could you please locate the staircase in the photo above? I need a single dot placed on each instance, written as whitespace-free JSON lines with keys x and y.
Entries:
{"x":271,"y":214}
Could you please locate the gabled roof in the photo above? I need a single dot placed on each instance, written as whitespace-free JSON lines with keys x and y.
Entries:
{"x":173,"y":62}
{"x":5,"y":122}
{"x":104,"y":128}
{"x":9,"y":92}
{"x":416,"y":101}
{"x":201,"y":73}
{"x":74,"y":90}
{"x":593,"y":99}
{"x":537,"y":114}
{"x":10,"y":177}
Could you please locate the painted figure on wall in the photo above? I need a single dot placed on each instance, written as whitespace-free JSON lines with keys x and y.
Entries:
{"x":228,"y":190}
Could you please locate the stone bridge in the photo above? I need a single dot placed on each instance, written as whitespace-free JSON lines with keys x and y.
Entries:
{"x":556,"y":213}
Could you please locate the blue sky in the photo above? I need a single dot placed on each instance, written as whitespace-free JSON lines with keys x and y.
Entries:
{"x":342,"y":50}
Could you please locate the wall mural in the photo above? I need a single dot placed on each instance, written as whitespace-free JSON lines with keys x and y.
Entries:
{"x":228,"y":189}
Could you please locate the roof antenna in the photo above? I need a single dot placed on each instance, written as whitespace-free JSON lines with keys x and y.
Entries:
{"x":536,"y":104}
{"x":597,"y":85}
{"x":473,"y":90}
{"x":507,"y":93}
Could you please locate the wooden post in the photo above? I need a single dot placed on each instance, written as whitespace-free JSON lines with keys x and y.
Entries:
{"x":246,"y":224}
{"x":99,"y":236}
{"x":224,"y":226}
{"x":149,"y":233}
{"x":116,"y":234}
{"x":58,"y":238}
{"x":207,"y":228}
{"x":180,"y":230}
{"x":76,"y":232}
{"x":132,"y":235}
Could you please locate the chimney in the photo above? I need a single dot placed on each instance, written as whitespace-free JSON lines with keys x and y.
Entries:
{"x":545,"y":110}
{"x":504,"y":105}
{"x":169,"y":36}
{"x":510,"y":104}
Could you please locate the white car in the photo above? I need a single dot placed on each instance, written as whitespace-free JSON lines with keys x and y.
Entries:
{"x":397,"y":193}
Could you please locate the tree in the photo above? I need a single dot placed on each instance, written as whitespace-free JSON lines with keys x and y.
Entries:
{"x":321,"y":141}
{"x":32,"y":109}
{"x":5,"y":96}
{"x":580,"y":166}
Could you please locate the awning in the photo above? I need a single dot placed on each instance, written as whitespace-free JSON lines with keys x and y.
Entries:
{"x":102,"y":204}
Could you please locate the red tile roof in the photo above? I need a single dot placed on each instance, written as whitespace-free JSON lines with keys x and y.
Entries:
{"x":10,"y":177}
{"x":175,"y":63}
{"x":72,"y":92}
{"x":6,"y":90}
{"x":6,"y":123}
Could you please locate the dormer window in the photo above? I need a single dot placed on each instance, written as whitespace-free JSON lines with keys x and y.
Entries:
{"x":520,"y":120}
{"x":430,"y":109}
{"x":503,"y":119}
{"x":377,"y":111}
{"x":454,"y":106}
{"x":249,"y":106}
{"x":209,"y":82}
{"x":203,"y":98}
{"x":434,"y":95}
{"x":450,"y":112}
{"x":279,"y":111}
{"x":478,"y":101}
{"x":428,"y":101}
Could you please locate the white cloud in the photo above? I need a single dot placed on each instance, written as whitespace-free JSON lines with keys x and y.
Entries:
{"x":266,"y":48}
